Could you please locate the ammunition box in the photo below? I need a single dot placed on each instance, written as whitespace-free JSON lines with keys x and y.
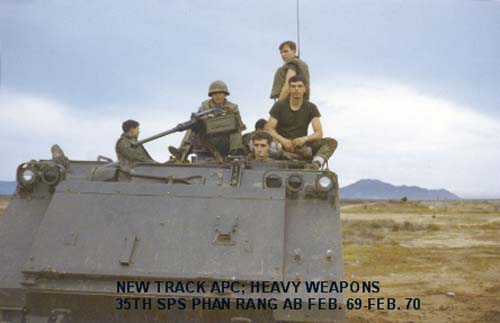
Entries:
{"x":220,"y":124}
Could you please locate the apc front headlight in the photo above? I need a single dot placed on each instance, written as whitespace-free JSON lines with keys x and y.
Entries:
{"x":295,"y":182}
{"x":26,"y":175}
{"x":324,"y":182}
{"x":51,"y":175}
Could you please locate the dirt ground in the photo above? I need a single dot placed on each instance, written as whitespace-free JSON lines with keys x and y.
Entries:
{"x":4,"y":200}
{"x":447,"y":254}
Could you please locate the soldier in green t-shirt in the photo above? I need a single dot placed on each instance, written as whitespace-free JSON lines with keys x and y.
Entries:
{"x":292,"y":66}
{"x":128,"y":154}
{"x":289,"y":120}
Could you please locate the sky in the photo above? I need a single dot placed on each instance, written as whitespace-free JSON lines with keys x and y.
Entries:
{"x":410,"y":89}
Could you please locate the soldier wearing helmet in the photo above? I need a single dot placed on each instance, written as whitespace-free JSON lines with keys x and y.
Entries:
{"x":226,"y":144}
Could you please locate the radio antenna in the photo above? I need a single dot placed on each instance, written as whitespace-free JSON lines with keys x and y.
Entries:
{"x":298,"y":30}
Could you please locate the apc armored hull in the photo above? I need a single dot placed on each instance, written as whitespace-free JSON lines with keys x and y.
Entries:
{"x":75,"y":230}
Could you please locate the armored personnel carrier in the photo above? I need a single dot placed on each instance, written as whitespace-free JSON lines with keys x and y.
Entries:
{"x":89,"y":241}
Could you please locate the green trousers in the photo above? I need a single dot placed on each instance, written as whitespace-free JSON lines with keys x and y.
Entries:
{"x":324,"y":147}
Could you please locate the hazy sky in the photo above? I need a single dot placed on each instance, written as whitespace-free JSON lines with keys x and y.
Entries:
{"x":410,"y":89}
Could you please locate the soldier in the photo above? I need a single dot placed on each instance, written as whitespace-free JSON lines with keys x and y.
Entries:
{"x":224,"y":144}
{"x":259,"y":125}
{"x":293,"y":66}
{"x":289,"y":120}
{"x":128,"y":155}
{"x":261,"y":143}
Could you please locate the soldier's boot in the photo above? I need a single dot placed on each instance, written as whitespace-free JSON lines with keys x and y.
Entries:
{"x":177,"y":153}
{"x":59,"y":157}
{"x":318,"y":162}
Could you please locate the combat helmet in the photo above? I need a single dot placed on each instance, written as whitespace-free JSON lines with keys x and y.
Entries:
{"x":217,"y":86}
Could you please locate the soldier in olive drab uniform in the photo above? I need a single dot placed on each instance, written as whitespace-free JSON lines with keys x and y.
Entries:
{"x":128,"y":154}
{"x":293,"y":66}
{"x":223,"y":144}
{"x":289,"y":120}
{"x":259,"y":126}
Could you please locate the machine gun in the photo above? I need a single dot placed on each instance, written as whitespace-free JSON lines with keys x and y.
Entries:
{"x":211,"y":122}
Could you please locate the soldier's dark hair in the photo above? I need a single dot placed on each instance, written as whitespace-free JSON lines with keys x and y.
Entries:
{"x":129,"y":124}
{"x":297,"y":78}
{"x":260,"y":124}
{"x":259,"y":135}
{"x":288,"y":43}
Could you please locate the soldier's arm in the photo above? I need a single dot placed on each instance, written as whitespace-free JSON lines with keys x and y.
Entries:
{"x":239,"y":120}
{"x":121,"y":149}
{"x":145,"y":156}
{"x":284,"y":90}
{"x":318,"y":130}
{"x":271,"y":128}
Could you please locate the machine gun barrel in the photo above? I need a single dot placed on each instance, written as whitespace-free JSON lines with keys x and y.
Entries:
{"x":180,"y":127}
{"x":195,"y":118}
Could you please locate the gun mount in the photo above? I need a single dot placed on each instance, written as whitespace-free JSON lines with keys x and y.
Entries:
{"x":213,"y":121}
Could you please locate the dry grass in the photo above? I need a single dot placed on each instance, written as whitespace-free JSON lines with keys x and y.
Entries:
{"x":369,"y":231}
{"x":4,"y":200}
{"x":448,"y":258}
{"x":423,"y":207}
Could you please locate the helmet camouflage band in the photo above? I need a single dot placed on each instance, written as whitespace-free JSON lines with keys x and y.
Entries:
{"x":217,"y":86}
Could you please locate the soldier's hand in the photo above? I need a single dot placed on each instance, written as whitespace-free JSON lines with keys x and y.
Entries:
{"x":299,"y":142}
{"x":288,"y":145}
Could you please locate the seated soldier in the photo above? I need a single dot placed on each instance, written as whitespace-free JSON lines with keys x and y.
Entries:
{"x":261,"y":143}
{"x":289,"y":120}
{"x":292,"y":66}
{"x":220,"y":145}
{"x":128,"y":154}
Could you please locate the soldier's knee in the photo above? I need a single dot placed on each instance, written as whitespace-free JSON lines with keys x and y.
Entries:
{"x":331,"y":143}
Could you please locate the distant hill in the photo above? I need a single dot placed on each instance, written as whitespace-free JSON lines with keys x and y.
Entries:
{"x":7,"y":188}
{"x":372,"y":189}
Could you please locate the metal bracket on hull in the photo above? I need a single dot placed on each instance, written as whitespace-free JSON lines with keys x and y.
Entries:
{"x":224,"y":229}
{"x":128,"y":250}
{"x":236,"y":171}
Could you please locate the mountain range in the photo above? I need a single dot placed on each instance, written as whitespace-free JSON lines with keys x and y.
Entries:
{"x":373,"y":189}
{"x":370,"y":189}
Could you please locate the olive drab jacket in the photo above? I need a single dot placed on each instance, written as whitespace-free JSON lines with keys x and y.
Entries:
{"x":228,"y":106}
{"x":300,"y":67}
{"x":129,"y":155}
{"x":235,"y":139}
